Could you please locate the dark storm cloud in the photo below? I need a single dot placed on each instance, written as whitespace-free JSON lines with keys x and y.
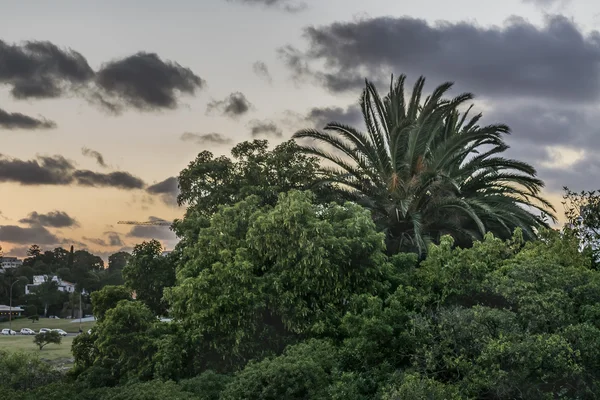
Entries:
{"x":168,"y":190}
{"x":39,"y":69}
{"x":95,"y":155}
{"x":264,"y":128}
{"x":57,"y":170}
{"x":205,"y":138}
{"x":232,"y":106}
{"x":54,"y":219}
{"x":21,"y":121}
{"x":146,"y":82}
{"x":152,"y":231}
{"x":321,"y":116}
{"x":556,"y":60}
{"x":291,"y":6}
{"x":33,"y":234}
{"x":262,"y":71}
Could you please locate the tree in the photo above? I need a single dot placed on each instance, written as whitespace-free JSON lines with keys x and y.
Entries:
{"x":258,"y":278}
{"x":427,"y":169}
{"x":48,"y":294}
{"x":582,"y":212}
{"x":148,"y":273}
{"x":43,"y":338}
{"x":117,"y":261}
{"x":34,"y":251}
{"x":108,"y":297}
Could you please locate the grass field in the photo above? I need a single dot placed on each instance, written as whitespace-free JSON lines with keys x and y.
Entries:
{"x":51,"y":352}
{"x":64,"y":324}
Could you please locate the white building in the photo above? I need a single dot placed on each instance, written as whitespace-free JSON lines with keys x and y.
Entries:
{"x":10,"y":262}
{"x":63,"y":286}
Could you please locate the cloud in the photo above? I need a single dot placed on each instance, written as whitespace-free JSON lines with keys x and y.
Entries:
{"x":291,"y":6}
{"x":95,"y":155}
{"x":167,"y":189}
{"x":232,"y":106}
{"x":54,"y":219}
{"x":118,"y":179}
{"x":33,"y":234}
{"x":112,"y":239}
{"x":264,"y":128}
{"x":21,"y":121}
{"x":152,"y":231}
{"x":145,"y":82}
{"x":262,"y":71}
{"x":546,"y":3}
{"x":206,"y":138}
{"x":57,"y":170}
{"x":493,"y":61}
{"x":40,"y":69}
{"x":321,"y":116}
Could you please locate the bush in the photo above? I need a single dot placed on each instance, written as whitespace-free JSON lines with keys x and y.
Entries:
{"x":21,"y":371}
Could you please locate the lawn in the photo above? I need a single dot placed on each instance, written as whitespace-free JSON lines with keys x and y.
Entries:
{"x":64,"y":324}
{"x":50,"y":352}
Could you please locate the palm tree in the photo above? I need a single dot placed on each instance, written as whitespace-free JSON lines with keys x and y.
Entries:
{"x":427,"y":169}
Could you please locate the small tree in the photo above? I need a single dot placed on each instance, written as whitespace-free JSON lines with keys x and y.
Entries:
{"x":34,"y":318}
{"x":44,"y":338}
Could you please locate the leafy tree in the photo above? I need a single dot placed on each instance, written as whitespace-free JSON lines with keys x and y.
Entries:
{"x":427,"y":169}
{"x":148,"y":273}
{"x":48,"y":294}
{"x":34,"y":251}
{"x":108,"y":297}
{"x":582,"y":211}
{"x":125,"y":341}
{"x":31,"y":310}
{"x":258,"y":277}
{"x":117,"y":261}
{"x":22,"y":371}
{"x":43,"y":338}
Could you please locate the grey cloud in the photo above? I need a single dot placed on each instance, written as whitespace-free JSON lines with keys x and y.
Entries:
{"x":232,"y":106}
{"x":152,"y":231}
{"x":556,"y":60}
{"x":21,"y":121}
{"x":145,"y":82}
{"x":291,"y":6}
{"x":57,"y":170}
{"x":545,"y":3}
{"x":206,"y":138}
{"x":54,"y":219}
{"x":350,"y":115}
{"x":261,"y":70}
{"x":117,"y":179}
{"x":40,"y":69}
{"x":95,"y":155}
{"x":112,"y":239}
{"x":33,"y":234}
{"x":264,"y":128}
{"x":168,"y":190}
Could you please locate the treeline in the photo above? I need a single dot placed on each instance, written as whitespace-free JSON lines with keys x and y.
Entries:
{"x":85,"y":270}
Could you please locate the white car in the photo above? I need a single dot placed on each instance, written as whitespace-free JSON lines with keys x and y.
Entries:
{"x":27,"y":331}
{"x":8,"y":332}
{"x":60,"y":332}
{"x":44,"y":330}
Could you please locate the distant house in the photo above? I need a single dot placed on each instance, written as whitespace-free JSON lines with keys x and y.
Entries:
{"x":63,"y":286}
{"x":10,"y":262}
{"x":5,"y":310}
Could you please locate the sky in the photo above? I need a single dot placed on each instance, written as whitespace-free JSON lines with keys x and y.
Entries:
{"x":102,"y":103}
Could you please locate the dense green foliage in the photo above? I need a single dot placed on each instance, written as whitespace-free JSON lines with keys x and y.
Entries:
{"x":426,"y":169}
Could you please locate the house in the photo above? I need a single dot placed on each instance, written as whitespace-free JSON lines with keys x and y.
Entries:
{"x":5,"y":310}
{"x":63,"y":286}
{"x":10,"y":262}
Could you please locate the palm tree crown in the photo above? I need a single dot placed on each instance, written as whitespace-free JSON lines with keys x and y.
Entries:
{"x":426,"y":169}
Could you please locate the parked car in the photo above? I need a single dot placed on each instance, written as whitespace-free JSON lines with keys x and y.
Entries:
{"x":43,"y":330}
{"x":27,"y":331}
{"x":53,"y":317}
{"x":8,"y":332}
{"x":60,"y":332}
